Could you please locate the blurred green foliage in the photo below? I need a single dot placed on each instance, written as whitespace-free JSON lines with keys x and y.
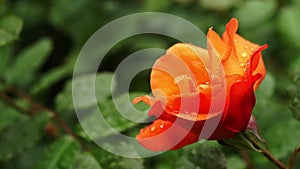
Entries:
{"x":294,"y":91}
{"x":40,"y":41}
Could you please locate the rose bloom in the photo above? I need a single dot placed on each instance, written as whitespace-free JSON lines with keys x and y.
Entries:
{"x":202,"y":93}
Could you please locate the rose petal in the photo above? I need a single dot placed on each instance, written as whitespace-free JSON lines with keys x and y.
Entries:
{"x":215,"y":40}
{"x":257,"y":65}
{"x":238,"y":50}
{"x":165,"y":135}
{"x":179,"y":71}
{"x":146,"y":99}
{"x":241,"y":102}
{"x":183,"y":91}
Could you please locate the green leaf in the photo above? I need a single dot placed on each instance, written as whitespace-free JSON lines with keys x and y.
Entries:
{"x":50,"y":78}
{"x":201,"y":156}
{"x":4,"y":54}
{"x":21,"y":135}
{"x":234,"y":162}
{"x":29,"y":61}
{"x":55,"y":75}
{"x":87,"y":161}
{"x":137,"y":112}
{"x":32,"y":18}
{"x":96,"y":128}
{"x":155,"y":5}
{"x":119,"y":114}
{"x":10,"y":28}
{"x":288,"y":24}
{"x":61,"y":154}
{"x":27,"y":159}
{"x":132,"y":163}
{"x":64,"y":15}
{"x":112,"y":161}
{"x":294,"y":62}
{"x":11,"y":24}
{"x":7,"y":116}
{"x":103,"y":85}
{"x":294,"y":92}
{"x":64,"y":100}
{"x":259,"y":11}
{"x":62,"y":10}
{"x":218,"y":5}
{"x":184,"y":163}
{"x":295,"y":107}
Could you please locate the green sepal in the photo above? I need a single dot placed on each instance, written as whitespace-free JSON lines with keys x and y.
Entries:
{"x":249,"y":139}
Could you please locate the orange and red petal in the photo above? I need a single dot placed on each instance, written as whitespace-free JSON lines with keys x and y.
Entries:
{"x":165,"y":135}
{"x":238,"y":50}
{"x":194,"y":57}
{"x":146,"y":99}
{"x":243,"y":49}
{"x":241,"y":101}
{"x":257,"y":65}
{"x":193,"y":107}
{"x":215,"y":40}
{"x":179,"y":71}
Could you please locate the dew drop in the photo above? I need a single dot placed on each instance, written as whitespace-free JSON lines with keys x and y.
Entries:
{"x":152,"y":128}
{"x":203,"y":86}
{"x":180,"y":78}
{"x":207,"y":83}
{"x":244,"y":54}
{"x":161,"y":126}
{"x":243,"y":64}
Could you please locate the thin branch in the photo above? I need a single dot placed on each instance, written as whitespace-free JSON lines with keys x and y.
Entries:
{"x":11,"y":102}
{"x":36,"y":107}
{"x":275,"y":161}
{"x":268,"y":155}
{"x":18,"y":92}
{"x":60,"y":121}
{"x":293,"y":157}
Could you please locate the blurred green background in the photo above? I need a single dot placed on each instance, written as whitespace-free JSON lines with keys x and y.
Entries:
{"x":40,"y":41}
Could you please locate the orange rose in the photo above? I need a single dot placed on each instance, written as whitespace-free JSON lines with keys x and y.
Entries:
{"x":189,"y":95}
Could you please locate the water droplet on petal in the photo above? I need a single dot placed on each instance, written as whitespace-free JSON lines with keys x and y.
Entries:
{"x":243,"y":64}
{"x":152,"y":128}
{"x":161,"y":126}
{"x":180,"y":78}
{"x":203,"y":86}
{"x":207,"y":83}
{"x":244,"y":54}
